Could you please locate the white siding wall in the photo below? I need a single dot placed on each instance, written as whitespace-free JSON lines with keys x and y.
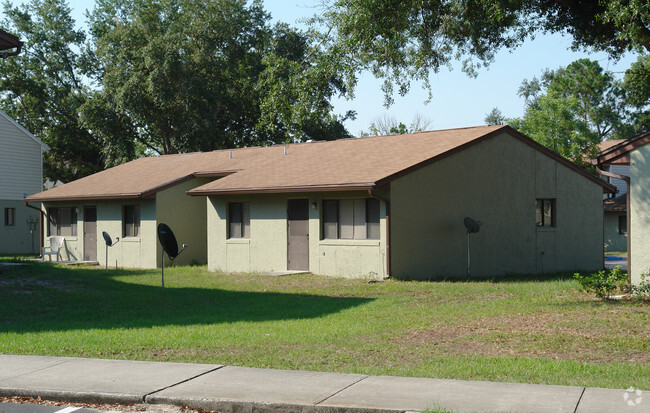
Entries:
{"x":21,"y":165}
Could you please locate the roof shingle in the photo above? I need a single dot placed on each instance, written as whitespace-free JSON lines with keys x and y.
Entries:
{"x":357,"y":163}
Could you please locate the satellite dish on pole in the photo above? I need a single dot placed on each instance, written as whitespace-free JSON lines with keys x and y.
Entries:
{"x":472,"y":227}
{"x":109,"y":243}
{"x":169,"y":246}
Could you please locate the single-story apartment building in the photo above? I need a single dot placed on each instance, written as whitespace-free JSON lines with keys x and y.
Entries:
{"x":635,"y":153}
{"x":363,"y":207}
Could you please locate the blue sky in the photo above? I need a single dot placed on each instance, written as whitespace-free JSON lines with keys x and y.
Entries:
{"x":458,"y":100}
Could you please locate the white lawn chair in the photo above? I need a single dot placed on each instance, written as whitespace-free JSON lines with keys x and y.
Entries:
{"x":56,"y":243}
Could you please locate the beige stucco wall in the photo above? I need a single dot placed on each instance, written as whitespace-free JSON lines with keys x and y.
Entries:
{"x":186,"y":216}
{"x":266,"y":250}
{"x":129,"y":252}
{"x":613,"y":240}
{"x":639,"y":212}
{"x":18,"y":239}
{"x":496,"y":182}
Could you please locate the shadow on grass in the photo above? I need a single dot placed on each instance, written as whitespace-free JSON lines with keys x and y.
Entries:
{"x":37,"y":297}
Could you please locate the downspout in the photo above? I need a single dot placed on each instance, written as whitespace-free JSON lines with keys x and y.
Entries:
{"x":372,"y":194}
{"x":40,"y":228}
{"x":627,"y":215}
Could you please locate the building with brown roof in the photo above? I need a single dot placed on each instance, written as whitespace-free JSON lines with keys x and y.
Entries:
{"x":376,"y":206}
{"x":635,"y":154}
{"x":9,"y":42}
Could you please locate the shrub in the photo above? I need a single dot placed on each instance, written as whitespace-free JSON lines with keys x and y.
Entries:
{"x":603,"y":283}
{"x":643,"y":289}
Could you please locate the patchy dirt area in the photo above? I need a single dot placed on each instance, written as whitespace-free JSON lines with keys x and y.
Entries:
{"x":26,"y":285}
{"x":108,"y":408}
{"x":550,"y":335}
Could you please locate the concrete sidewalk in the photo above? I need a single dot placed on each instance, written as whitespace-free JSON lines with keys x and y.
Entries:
{"x":247,"y":390}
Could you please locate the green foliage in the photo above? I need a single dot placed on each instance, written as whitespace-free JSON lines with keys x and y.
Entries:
{"x":198,"y":76}
{"x":495,"y":117}
{"x":636,"y":87}
{"x":45,"y":87}
{"x":643,"y":289}
{"x":406,"y":40}
{"x":163,"y":76}
{"x":604,"y":283}
{"x":571,"y":110}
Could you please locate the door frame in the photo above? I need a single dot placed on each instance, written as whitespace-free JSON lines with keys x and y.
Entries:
{"x":85,"y":208}
{"x":306,"y":211}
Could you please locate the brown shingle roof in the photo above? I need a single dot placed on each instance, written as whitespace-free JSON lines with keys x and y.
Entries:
{"x":620,"y":152}
{"x":346,"y":164}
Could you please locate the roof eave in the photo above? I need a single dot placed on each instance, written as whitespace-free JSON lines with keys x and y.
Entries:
{"x":621,"y":152}
{"x":282,"y":190}
{"x":82,"y":197}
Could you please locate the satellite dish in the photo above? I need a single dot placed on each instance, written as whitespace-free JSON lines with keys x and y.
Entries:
{"x":167,"y":241}
{"x":472,"y":226}
{"x":169,"y":246}
{"x":109,"y":243}
{"x":107,"y":238}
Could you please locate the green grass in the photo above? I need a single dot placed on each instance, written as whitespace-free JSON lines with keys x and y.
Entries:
{"x":517,"y":329}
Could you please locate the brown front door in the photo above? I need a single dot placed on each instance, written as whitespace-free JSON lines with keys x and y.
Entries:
{"x":298,"y":234}
{"x":90,"y":233}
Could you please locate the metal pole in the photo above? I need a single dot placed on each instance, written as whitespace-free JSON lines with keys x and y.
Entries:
{"x":468,"y":255}
{"x":163,"y":268}
{"x":106,"y":257}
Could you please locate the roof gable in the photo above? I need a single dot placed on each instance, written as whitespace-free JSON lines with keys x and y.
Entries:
{"x":620,"y":153}
{"x":44,"y":147}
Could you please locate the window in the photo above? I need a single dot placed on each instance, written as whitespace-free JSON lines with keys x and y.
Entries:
{"x":545,"y":214}
{"x":622,"y":224}
{"x":351,"y":219}
{"x":239,"y":220}
{"x":131,"y":221}
{"x":10,"y":217}
{"x":62,"y":221}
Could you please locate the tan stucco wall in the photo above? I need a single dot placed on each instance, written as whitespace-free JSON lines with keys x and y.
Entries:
{"x":266,"y":250}
{"x":18,"y":239}
{"x":73,"y":245}
{"x":186,"y":216}
{"x":639,"y":212}
{"x":130,"y":252}
{"x":496,"y":182}
{"x":613,"y":240}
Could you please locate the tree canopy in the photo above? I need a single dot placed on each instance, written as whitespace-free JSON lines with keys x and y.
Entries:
{"x":44,"y":87}
{"x":571,"y":110}
{"x":163,"y":76}
{"x":406,"y":40}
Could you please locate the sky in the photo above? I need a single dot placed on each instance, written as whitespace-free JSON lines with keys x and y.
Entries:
{"x":458,"y":100}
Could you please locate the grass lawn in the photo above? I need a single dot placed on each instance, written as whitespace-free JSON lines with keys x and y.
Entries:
{"x":535,"y":331}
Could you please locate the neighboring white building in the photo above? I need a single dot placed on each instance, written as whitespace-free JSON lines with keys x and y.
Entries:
{"x":21,"y":175}
{"x":635,"y":154}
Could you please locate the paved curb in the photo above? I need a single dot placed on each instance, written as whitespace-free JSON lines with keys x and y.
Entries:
{"x":231,"y":389}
